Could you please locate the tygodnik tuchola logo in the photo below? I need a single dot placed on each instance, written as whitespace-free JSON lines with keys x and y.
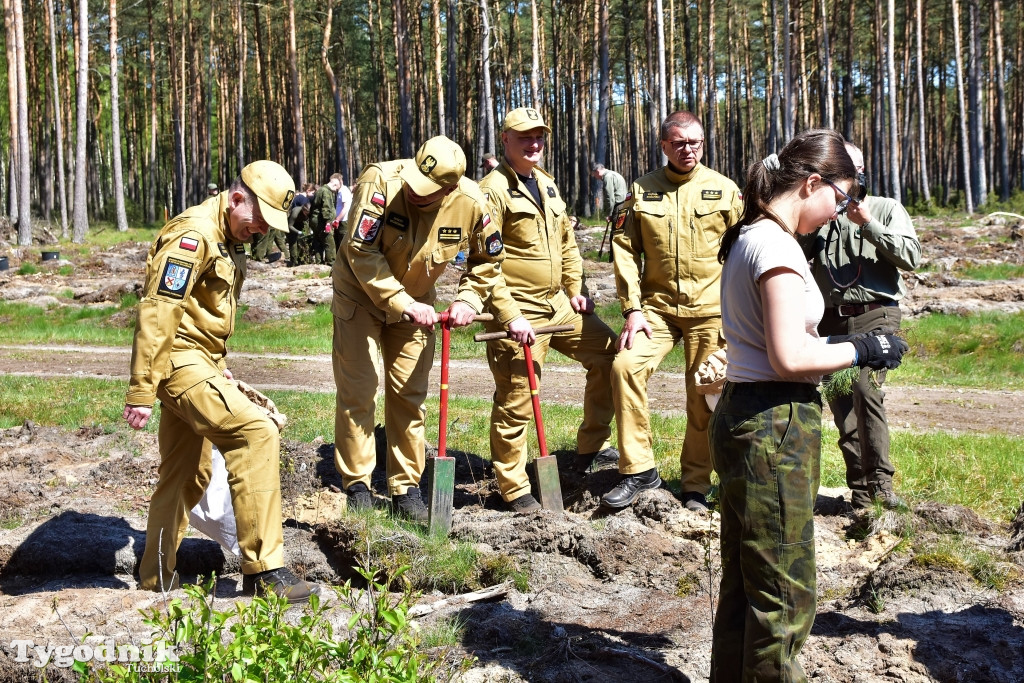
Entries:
{"x":150,"y":657}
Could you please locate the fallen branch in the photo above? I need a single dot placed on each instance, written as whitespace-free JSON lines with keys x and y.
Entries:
{"x":670,"y":671}
{"x":489,"y":593}
{"x":1005,"y":213}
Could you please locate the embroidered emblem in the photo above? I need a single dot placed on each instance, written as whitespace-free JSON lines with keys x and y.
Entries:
{"x":551,"y":192}
{"x":378,"y":199}
{"x":223,"y":249}
{"x":494,"y":244}
{"x":399,"y":221}
{"x":175,"y":278}
{"x":449,"y":234}
{"x":288,"y":196}
{"x":710,"y":194}
{"x":239,"y":248}
{"x":428,"y":164}
{"x":188,"y":244}
{"x":653,"y":196}
{"x":620,"y":219}
{"x":532,"y":114}
{"x":368,"y":227}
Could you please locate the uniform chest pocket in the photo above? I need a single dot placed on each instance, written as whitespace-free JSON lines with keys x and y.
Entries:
{"x":712,"y":219}
{"x":652,"y":222}
{"x":445,"y":252}
{"x":216,"y":286}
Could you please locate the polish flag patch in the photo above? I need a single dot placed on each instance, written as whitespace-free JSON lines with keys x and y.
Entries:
{"x":188,"y":244}
{"x":378,"y":199}
{"x":486,"y":221}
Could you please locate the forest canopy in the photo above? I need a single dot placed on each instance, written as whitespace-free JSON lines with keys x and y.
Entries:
{"x":172,"y":95}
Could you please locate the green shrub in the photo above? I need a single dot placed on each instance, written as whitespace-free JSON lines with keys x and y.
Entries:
{"x":260,"y":641}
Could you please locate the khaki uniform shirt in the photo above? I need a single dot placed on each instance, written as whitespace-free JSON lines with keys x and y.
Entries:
{"x":861,"y":264}
{"x":393,"y":252}
{"x":194,"y":273}
{"x":541,"y":256}
{"x":666,"y":240}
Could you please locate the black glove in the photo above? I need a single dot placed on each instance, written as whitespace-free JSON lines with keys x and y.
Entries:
{"x":879,"y":351}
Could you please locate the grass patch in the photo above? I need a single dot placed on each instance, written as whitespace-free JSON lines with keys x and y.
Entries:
{"x":24,"y":324}
{"x":27,"y":269}
{"x":953,"y":553}
{"x":981,"y":350}
{"x":992,"y":271}
{"x":444,"y":632}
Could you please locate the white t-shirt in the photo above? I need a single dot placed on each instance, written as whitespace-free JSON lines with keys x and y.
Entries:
{"x":759,"y":248}
{"x":343,"y":202}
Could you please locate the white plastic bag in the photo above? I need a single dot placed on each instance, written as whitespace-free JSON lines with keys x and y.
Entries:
{"x":214,"y":515}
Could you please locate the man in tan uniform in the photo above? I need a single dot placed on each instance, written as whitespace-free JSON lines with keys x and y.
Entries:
{"x":194,"y":274}
{"x":409,"y":218}
{"x":541,"y":284}
{"x":665,"y":246}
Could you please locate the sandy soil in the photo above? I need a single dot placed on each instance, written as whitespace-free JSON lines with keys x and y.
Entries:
{"x":624,"y":597}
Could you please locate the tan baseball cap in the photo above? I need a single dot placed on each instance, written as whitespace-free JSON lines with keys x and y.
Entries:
{"x":274,"y":188}
{"x":438,"y":165}
{"x":524,"y":118}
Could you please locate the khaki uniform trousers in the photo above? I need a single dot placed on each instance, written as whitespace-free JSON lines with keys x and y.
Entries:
{"x":408,"y":352}
{"x":200,"y":407}
{"x":591,"y":343}
{"x":630,"y":373}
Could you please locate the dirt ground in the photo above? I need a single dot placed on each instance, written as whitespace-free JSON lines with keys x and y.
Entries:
{"x":623,"y":597}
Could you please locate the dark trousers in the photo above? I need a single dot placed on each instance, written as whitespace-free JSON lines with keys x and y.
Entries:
{"x":860,"y":415}
{"x":766,"y":448}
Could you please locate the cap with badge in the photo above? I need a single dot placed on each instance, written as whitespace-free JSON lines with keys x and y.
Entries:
{"x":439,"y":164}
{"x":274,"y":188}
{"x":524,"y":118}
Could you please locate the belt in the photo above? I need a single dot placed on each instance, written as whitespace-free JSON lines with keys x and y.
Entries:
{"x":851,"y":310}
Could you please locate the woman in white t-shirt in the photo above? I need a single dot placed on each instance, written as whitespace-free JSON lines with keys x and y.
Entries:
{"x":766,"y":430}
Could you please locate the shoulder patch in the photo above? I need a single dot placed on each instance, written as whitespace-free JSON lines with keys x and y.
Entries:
{"x":188,"y":244}
{"x":629,"y":195}
{"x":551,"y":191}
{"x":368,"y":227}
{"x":223,"y":249}
{"x":174,"y":280}
{"x":653,"y":196}
{"x":378,"y":199}
{"x":493,"y":244}
{"x":710,"y":194}
{"x":399,"y":221}
{"x":449,"y":234}
{"x":620,"y":219}
{"x":485,"y":221}
{"x":239,"y":248}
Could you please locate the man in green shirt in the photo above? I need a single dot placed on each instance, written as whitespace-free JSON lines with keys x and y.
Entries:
{"x":614,"y":187}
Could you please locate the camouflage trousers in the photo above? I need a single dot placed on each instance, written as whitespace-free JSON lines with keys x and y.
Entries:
{"x":766,"y":448}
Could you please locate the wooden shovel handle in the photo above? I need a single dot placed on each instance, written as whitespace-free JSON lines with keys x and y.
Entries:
{"x":487,"y":336}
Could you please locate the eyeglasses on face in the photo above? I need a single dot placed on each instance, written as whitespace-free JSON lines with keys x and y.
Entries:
{"x":841,"y":206}
{"x":680,"y":145}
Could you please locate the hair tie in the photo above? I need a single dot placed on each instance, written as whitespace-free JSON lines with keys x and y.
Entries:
{"x":771,"y":163}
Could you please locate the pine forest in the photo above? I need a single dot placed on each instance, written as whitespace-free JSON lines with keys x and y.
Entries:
{"x":123,"y":111}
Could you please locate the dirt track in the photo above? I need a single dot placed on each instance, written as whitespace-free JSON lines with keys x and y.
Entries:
{"x":917,"y":408}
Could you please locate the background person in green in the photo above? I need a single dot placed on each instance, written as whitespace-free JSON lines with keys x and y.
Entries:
{"x":856,"y":259}
{"x":322,"y":217}
{"x":614,"y":188}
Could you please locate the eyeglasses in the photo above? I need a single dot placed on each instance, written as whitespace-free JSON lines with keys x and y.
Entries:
{"x":683,"y":144}
{"x":841,"y":206}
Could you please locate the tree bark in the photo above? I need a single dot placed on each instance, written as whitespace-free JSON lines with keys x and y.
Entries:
{"x":404,"y":111}
{"x":486,"y":121}
{"x":25,"y":151}
{"x":975,"y":113}
{"x":115,"y":124}
{"x":894,"y":131}
{"x":58,"y":121}
{"x":80,"y":220}
{"x":965,"y":148}
{"x":297,"y":118}
{"x":339,"y":123}
{"x":926,"y":192}
{"x":1001,"y":122}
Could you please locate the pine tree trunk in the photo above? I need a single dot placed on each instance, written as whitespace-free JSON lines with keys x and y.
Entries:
{"x":926,"y":192}
{"x":405,"y":147}
{"x":965,"y":147}
{"x":115,"y":125}
{"x":297,"y":118}
{"x":435,"y":41}
{"x":62,"y":194}
{"x":894,"y":131}
{"x":604,"y":86}
{"x":975,"y":115}
{"x":339,"y":124}
{"x":711,"y":134}
{"x":1001,"y":125}
{"x":80,"y":220}
{"x":486,"y":121}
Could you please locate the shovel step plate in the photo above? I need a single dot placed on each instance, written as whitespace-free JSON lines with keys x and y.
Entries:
{"x":549,"y":487}
{"x":439,"y":474}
